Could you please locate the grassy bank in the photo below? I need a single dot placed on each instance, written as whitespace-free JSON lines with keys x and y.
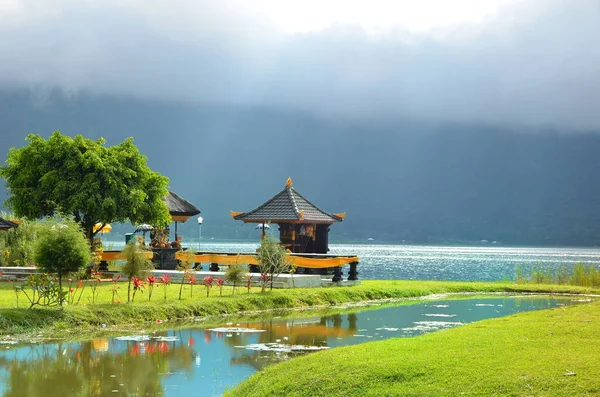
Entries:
{"x":16,"y":320}
{"x":552,"y":353}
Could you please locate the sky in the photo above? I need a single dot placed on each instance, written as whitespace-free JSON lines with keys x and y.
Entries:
{"x":530,"y":62}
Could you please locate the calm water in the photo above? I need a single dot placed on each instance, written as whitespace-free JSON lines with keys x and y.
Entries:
{"x":203,"y":362}
{"x":413,"y":262}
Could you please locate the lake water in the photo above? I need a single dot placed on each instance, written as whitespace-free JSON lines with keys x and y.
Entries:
{"x":420,"y":262}
{"x":203,"y":362}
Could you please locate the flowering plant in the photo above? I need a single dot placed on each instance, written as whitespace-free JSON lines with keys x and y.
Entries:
{"x":165,"y":279}
{"x":115,"y":288}
{"x":138,"y":285}
{"x":220,"y":282}
{"x":151,"y":281}
{"x":192,"y":281}
{"x":208,"y":282}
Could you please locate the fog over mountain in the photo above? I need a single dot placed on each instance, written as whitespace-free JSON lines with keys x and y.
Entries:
{"x":461,"y":131}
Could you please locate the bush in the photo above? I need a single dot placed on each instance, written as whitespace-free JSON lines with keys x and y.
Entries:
{"x":272,"y":261}
{"x":235,"y":275}
{"x":61,"y":247}
{"x":136,"y":266}
{"x":16,"y":245}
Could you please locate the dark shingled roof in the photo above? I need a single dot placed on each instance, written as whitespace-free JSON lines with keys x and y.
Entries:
{"x":5,"y":225}
{"x":180,"y":206}
{"x":288,"y":205}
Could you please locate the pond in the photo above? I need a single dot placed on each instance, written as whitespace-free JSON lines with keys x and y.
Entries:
{"x":203,"y":362}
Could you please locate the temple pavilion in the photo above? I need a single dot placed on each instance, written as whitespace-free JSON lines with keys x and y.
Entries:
{"x":303,"y":227}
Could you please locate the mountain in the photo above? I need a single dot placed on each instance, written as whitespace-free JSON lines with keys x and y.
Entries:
{"x":397,"y":180}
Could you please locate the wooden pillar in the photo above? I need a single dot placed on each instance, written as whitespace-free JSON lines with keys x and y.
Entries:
{"x":254,"y":269}
{"x":353,"y":273}
{"x":337,"y":274}
{"x":103,"y":266}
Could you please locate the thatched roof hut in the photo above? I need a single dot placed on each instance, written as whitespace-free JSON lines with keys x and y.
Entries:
{"x":179,"y":208}
{"x":5,"y":224}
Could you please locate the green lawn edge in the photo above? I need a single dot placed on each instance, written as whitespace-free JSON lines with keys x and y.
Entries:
{"x":82,"y":316}
{"x":545,"y":353}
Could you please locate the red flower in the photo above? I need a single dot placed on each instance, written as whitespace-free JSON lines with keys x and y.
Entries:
{"x":220,"y":282}
{"x":71,"y":290}
{"x":137,"y":283}
{"x":151,"y":280}
{"x":208,"y":281}
{"x":264,"y":277}
{"x":116,"y":278}
{"x":80,"y":284}
{"x":192,"y":280}
{"x":165,"y":279}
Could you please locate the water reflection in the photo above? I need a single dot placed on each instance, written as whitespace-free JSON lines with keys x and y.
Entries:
{"x":204,"y":362}
{"x":94,"y":368}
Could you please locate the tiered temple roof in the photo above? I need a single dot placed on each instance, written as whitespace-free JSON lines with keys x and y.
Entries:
{"x":288,"y":206}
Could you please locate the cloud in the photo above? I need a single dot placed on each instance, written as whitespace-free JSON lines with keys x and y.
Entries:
{"x":532,"y":63}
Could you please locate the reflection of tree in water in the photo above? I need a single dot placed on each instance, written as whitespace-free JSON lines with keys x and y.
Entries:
{"x":306,"y":332}
{"x":81,"y":370}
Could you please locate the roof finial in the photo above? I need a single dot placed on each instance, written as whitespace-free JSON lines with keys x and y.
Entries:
{"x":289,"y":182}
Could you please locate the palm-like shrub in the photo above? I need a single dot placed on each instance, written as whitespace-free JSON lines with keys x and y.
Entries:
{"x":137,"y":265}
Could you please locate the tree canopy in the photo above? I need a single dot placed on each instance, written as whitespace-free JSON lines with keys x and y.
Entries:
{"x":84,"y":178}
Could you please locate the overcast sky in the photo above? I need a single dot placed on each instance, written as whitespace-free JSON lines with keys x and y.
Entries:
{"x":533,"y":62}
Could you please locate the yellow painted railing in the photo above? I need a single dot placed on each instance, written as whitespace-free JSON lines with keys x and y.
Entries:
{"x":250,"y":259}
{"x":118,"y":255}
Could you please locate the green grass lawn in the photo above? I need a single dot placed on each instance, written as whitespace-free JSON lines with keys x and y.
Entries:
{"x":546,"y":353}
{"x":85,"y":314}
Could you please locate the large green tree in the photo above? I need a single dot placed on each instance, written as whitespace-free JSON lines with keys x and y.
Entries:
{"x":85,"y":178}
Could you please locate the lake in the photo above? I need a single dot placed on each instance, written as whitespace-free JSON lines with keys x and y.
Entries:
{"x":203,"y":362}
{"x":422,"y":262}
